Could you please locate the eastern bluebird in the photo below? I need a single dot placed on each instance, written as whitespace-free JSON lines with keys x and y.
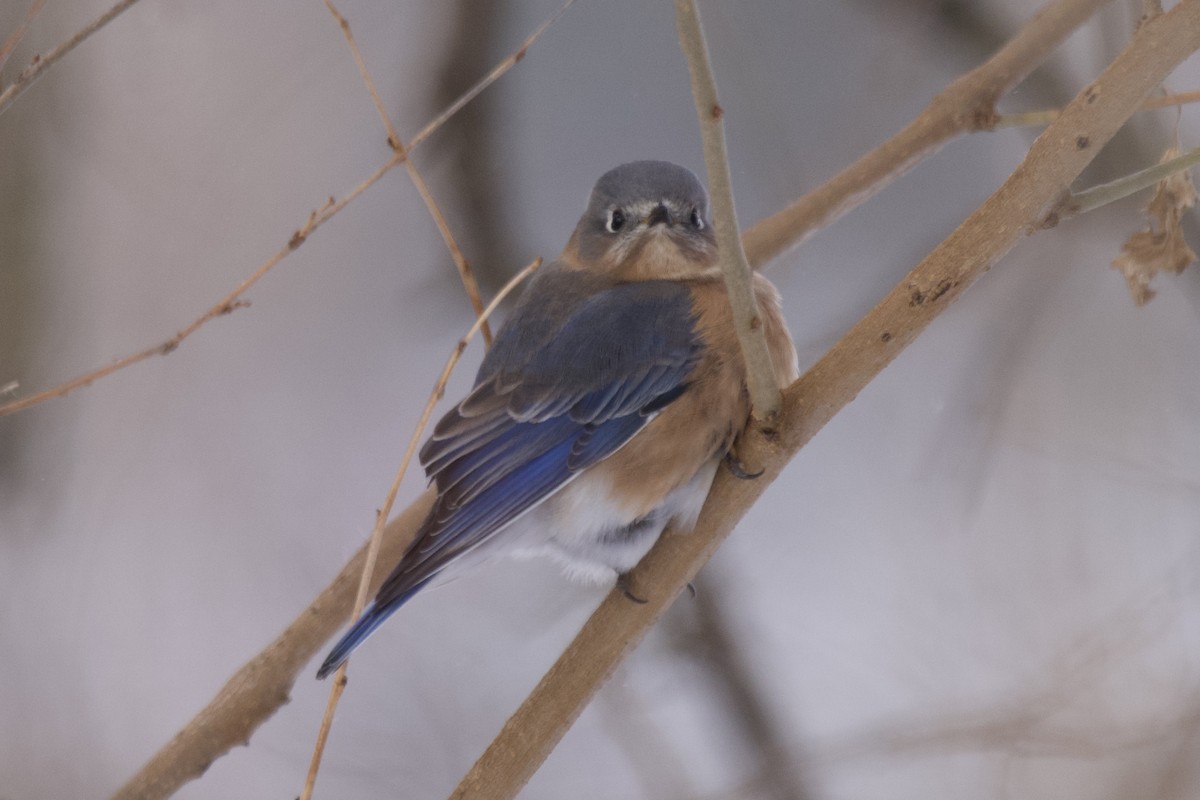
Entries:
{"x":608,"y":400}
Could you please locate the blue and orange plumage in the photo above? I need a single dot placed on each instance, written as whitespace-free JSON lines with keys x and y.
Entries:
{"x":605,"y":405}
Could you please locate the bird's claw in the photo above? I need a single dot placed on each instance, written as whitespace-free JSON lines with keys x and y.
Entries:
{"x":739,"y":469}
{"x":625,"y":584}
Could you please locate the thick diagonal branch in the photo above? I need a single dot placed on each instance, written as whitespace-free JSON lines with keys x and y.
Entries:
{"x":1053,"y":162}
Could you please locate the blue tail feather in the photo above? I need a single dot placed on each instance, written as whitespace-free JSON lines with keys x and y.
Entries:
{"x":371,"y":619}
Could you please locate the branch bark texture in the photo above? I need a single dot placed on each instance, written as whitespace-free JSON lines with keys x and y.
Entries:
{"x":1054,"y":160}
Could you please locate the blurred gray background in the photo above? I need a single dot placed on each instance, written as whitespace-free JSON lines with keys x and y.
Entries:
{"x":980,"y":580}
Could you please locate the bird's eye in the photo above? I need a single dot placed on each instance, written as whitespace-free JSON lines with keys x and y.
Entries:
{"x":616,"y":220}
{"x":696,"y":220}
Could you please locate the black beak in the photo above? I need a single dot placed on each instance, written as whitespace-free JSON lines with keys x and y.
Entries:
{"x":659,"y":214}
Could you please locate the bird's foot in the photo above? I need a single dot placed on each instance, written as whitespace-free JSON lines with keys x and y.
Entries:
{"x":625,"y":584}
{"x":739,"y":469}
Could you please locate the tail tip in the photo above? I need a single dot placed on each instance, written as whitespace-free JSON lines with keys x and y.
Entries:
{"x":328,"y":667}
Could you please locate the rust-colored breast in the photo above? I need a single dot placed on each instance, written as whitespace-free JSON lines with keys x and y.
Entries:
{"x":701,"y":425}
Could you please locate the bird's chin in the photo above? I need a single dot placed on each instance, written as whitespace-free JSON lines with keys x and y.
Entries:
{"x":661,"y":257}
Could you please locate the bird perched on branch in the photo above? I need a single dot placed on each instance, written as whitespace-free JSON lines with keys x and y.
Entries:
{"x":606,"y":404}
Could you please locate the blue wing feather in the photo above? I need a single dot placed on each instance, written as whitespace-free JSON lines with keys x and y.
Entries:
{"x":579,"y":369}
{"x":375,"y":615}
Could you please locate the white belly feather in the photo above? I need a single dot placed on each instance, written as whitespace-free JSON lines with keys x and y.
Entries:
{"x":594,"y":536}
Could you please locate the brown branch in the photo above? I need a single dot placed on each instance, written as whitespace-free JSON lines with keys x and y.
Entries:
{"x":1048,"y":115}
{"x":760,"y":374}
{"x":226,"y":305}
{"x":376,"y":541}
{"x":967,"y":104}
{"x":1054,"y":160}
{"x":19,"y":32}
{"x":1094,"y":197}
{"x":1168,"y":100}
{"x":456,"y":254}
{"x":460,"y":261}
{"x":40,"y":64}
{"x":232,"y":301}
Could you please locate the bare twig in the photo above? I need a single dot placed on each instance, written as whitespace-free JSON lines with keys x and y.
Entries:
{"x":18,"y":33}
{"x":365,"y":74}
{"x":226,"y":305}
{"x":967,"y":104}
{"x":376,"y":541}
{"x":460,"y":261}
{"x":1054,"y":160}
{"x":1048,"y":115}
{"x":42,"y":63}
{"x":317,"y":218}
{"x":760,"y":374}
{"x":1097,"y":196}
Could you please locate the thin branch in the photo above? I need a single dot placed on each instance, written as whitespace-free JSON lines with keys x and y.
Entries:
{"x":232,"y":301}
{"x":365,"y":74}
{"x":1168,"y":100}
{"x":460,"y":261}
{"x":19,"y":32}
{"x":1054,"y":160}
{"x":226,"y":305}
{"x":40,"y":64}
{"x":1098,"y":196}
{"x":760,"y":374}
{"x":376,"y":541}
{"x":967,"y":104}
{"x":1047,"y":115}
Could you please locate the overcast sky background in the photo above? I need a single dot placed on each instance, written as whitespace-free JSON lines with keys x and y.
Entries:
{"x":980,"y":579}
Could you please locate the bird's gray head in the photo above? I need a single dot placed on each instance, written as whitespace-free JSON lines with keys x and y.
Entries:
{"x":647,"y":220}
